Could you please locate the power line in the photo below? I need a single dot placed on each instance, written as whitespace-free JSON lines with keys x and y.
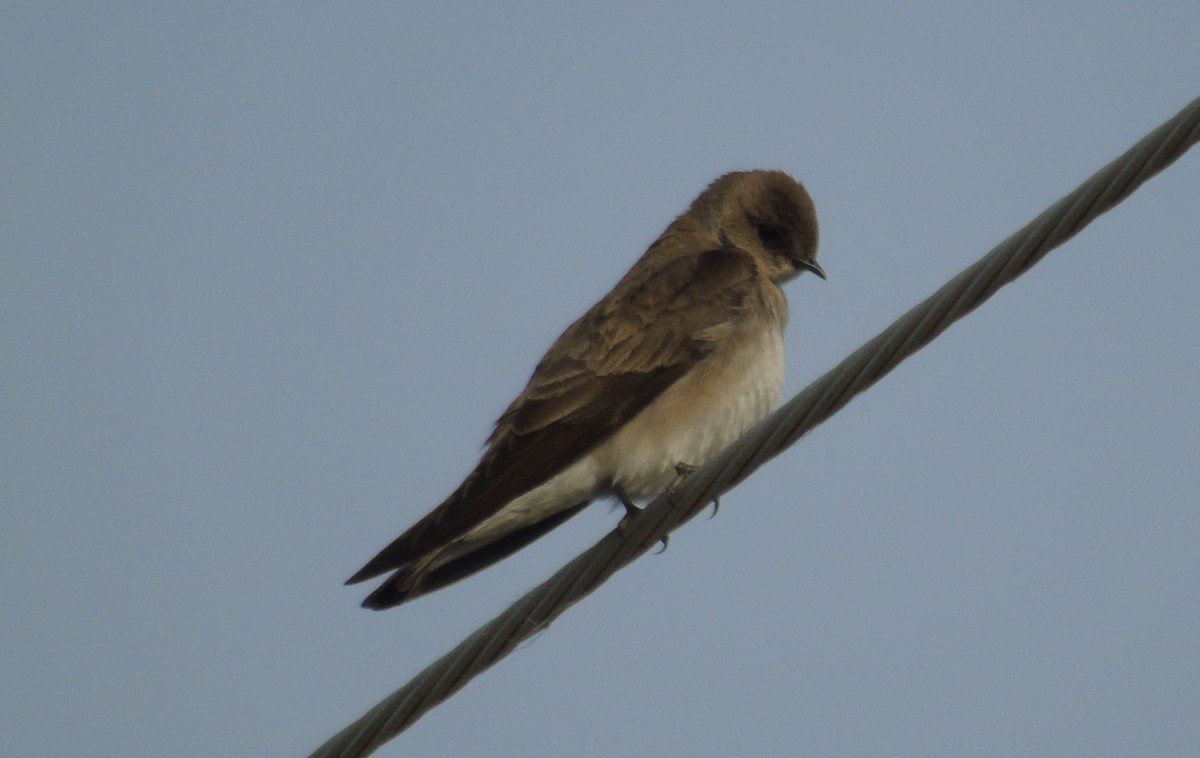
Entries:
{"x":813,"y":405}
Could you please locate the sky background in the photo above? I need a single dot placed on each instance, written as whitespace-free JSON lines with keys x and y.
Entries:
{"x":268,"y":272}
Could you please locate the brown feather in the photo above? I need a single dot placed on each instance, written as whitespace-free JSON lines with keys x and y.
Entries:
{"x":707,"y":283}
{"x":573,"y":403}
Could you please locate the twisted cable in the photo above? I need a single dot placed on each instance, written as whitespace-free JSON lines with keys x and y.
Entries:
{"x":817,"y":402}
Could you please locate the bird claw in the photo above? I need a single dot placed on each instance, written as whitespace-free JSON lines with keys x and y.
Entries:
{"x":716,"y":507}
{"x":631,"y":510}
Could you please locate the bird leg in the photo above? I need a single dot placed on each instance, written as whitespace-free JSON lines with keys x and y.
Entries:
{"x":630,"y":511}
{"x":682,"y":472}
{"x":624,"y":500}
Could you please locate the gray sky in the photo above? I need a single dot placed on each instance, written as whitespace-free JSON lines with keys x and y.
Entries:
{"x":271,"y":271}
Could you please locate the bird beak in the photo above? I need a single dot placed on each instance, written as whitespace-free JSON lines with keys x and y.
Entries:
{"x":812,"y":266}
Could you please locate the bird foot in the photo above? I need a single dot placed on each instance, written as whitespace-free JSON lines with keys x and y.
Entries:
{"x":682,"y":472}
{"x":631,"y":511}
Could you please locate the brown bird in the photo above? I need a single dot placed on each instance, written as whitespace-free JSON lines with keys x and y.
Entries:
{"x":681,"y":358}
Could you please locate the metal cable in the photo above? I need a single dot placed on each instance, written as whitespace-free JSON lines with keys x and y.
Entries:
{"x":817,"y":402}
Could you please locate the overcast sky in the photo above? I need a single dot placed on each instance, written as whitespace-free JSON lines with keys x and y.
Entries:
{"x":268,"y":273}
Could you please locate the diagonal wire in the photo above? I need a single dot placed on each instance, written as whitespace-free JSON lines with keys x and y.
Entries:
{"x":817,"y":402}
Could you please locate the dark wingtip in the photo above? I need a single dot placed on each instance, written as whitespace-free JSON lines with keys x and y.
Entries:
{"x":387,"y":560}
{"x":385,"y":596}
{"x":416,"y":579}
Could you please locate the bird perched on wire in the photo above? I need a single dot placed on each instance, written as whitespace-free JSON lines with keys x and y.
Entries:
{"x":681,"y":358}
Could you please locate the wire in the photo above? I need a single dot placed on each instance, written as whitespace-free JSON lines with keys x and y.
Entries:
{"x":817,"y":402}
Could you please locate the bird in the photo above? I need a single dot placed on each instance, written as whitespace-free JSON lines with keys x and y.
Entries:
{"x":678,"y":360}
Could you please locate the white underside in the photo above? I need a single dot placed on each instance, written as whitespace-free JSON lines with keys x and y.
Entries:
{"x":691,"y":421}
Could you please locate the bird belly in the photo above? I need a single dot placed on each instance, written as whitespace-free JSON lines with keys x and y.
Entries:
{"x":696,"y":417}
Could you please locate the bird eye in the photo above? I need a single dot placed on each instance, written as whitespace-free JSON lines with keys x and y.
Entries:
{"x":770,"y":236}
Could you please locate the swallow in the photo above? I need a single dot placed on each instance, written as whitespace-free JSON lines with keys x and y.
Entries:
{"x":678,"y":360}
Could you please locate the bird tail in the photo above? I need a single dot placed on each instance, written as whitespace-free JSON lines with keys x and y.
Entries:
{"x":427,"y":574}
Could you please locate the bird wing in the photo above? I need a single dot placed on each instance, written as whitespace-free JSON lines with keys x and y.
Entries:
{"x":606,"y":367}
